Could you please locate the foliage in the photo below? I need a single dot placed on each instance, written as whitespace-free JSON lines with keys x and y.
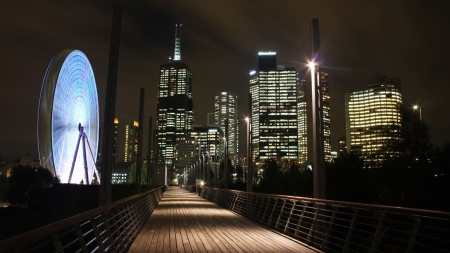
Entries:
{"x":415,"y":143}
{"x":132,"y":175}
{"x":292,"y":181}
{"x":3,"y":186}
{"x":25,"y":181}
{"x":347,"y":180}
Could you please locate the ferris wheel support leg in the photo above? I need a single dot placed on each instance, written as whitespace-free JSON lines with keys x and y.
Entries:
{"x":93,"y":159}
{"x":86,"y":174}
{"x":74,"y":159}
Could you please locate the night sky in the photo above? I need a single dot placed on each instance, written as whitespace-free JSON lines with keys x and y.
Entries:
{"x":220,"y":41}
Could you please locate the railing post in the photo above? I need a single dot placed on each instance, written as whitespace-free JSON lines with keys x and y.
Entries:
{"x":330,"y":226}
{"x":281,"y":212}
{"x":412,"y":239}
{"x":290,"y":214}
{"x":273,"y":210}
{"x":377,"y":232}
{"x":350,"y":231}
{"x":81,"y":240}
{"x":57,"y":242}
{"x":312,"y":228}
{"x":98,"y":238}
{"x":299,"y":224}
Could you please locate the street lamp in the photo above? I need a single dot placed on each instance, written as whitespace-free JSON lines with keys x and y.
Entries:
{"x":249,"y":160}
{"x":418,"y":107}
{"x":317,"y":134}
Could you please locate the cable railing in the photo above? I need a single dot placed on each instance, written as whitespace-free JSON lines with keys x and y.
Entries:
{"x":336,"y":226}
{"x":111,"y":228}
{"x":189,"y":188}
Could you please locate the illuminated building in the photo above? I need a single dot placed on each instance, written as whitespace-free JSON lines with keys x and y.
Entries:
{"x":273,"y":92}
{"x":326,"y":117}
{"x":126,"y":138}
{"x":342,"y":146}
{"x":373,"y":119}
{"x":225,"y":115}
{"x":175,"y":108}
{"x":210,"y":140}
{"x":305,"y":118}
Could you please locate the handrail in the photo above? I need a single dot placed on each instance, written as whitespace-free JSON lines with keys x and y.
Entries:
{"x":105,"y":215}
{"x":405,"y":210}
{"x":338,"y":226}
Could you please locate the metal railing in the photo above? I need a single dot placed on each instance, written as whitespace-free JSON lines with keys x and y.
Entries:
{"x":336,"y":226}
{"x":111,"y":228}
{"x":189,"y":188}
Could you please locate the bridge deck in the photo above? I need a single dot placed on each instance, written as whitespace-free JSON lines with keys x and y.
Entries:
{"x":184,"y":222}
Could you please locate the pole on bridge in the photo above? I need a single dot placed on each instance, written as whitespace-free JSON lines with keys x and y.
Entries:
{"x":110,"y":107}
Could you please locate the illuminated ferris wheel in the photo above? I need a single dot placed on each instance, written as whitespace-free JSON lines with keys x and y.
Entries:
{"x":68,"y":119}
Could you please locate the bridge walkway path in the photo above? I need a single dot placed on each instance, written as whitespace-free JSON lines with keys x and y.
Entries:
{"x":185,"y":222}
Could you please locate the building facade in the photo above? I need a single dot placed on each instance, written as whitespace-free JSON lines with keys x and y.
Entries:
{"x":373,"y":119}
{"x":225,"y":116}
{"x":274,"y":115}
{"x":126,"y":140}
{"x":175,"y":108}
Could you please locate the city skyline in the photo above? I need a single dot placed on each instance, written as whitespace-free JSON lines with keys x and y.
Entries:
{"x":220,"y":41}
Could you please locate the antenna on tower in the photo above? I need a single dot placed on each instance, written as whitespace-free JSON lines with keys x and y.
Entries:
{"x":177,"y":54}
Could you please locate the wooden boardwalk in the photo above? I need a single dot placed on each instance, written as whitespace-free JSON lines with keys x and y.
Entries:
{"x":184,"y":222}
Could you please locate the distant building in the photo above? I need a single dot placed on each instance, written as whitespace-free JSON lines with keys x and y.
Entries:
{"x":121,"y":172}
{"x":342,"y":146}
{"x":373,"y":119}
{"x":175,"y":108}
{"x":305,"y":117}
{"x":225,"y":115}
{"x":210,"y":140}
{"x":126,"y":138}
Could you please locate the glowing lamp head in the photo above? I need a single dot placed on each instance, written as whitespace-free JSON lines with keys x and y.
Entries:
{"x":415,"y":107}
{"x":311,"y":65}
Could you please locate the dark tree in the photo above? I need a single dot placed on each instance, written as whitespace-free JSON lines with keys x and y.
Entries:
{"x":24,"y":181}
{"x":347,"y":180}
{"x":3,"y":186}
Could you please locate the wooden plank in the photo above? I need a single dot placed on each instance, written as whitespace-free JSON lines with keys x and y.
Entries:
{"x":184,"y":222}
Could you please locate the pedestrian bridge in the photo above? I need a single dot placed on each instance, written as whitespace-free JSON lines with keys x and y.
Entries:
{"x":232,"y":221}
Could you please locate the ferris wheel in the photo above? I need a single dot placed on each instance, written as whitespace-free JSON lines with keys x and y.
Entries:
{"x":68,"y":118}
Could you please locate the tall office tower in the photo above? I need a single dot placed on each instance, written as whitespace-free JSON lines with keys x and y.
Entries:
{"x":126,"y":140}
{"x":373,"y":118}
{"x":326,"y":118}
{"x":225,"y":113}
{"x":304,"y":116}
{"x":175,"y":108}
{"x":274,"y":113}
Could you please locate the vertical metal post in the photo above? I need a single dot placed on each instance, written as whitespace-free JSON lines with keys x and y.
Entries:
{"x":149,"y":154}
{"x":110,"y":109}
{"x":208,"y":169}
{"x":225,"y":159}
{"x":249,"y":159}
{"x":139,"y":151}
{"x":317,"y":115}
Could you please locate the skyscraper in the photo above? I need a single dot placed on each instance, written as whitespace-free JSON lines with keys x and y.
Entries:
{"x":373,"y":118}
{"x":274,"y":116}
{"x":175,"y":108}
{"x":126,"y":139}
{"x":225,"y":113}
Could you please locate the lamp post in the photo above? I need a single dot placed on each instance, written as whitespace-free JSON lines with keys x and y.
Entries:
{"x":249,"y":160}
{"x":418,"y":107}
{"x":317,"y":135}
